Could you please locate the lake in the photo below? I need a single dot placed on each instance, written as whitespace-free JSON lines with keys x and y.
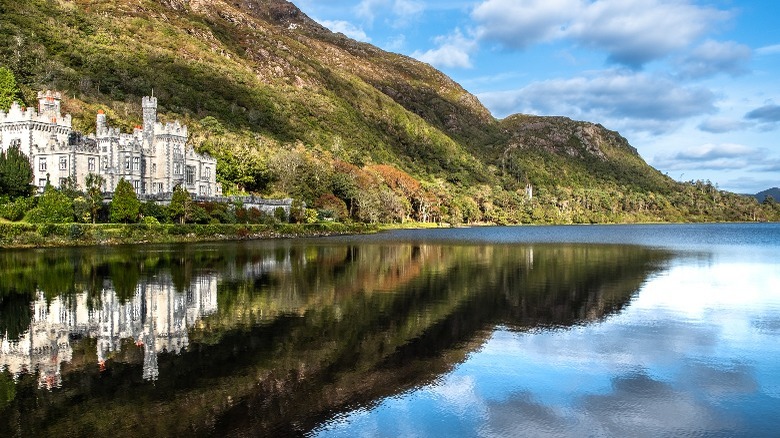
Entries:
{"x":635,"y":330}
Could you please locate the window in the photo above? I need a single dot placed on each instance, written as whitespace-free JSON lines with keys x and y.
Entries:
{"x":91,"y":164}
{"x":42,"y":166}
{"x":127,"y":163}
{"x":154,"y":168}
{"x":136,"y":185}
{"x":177,"y":169}
{"x":105,"y":148}
{"x":207,"y":172}
{"x":63,"y":181}
{"x":42,"y":182}
{"x":105,"y":163}
{"x":190,"y":177}
{"x":159,"y":187}
{"x":63,"y":163}
{"x":136,"y":160}
{"x":202,"y":190}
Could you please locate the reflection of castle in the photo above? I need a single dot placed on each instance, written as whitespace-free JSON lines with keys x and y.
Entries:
{"x":156,"y":318}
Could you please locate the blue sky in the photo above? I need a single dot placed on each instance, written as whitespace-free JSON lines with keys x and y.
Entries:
{"x":693,"y":85}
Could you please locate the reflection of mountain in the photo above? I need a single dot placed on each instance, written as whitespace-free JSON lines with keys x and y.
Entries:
{"x":304,"y":331}
{"x":156,"y":318}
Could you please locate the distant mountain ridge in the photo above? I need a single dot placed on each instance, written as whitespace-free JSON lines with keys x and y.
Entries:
{"x":774,"y":192}
{"x":290,"y":108}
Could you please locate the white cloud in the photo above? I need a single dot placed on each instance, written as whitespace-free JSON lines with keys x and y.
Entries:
{"x":766,"y":114}
{"x":368,"y":9}
{"x":638,"y":31}
{"x":633,"y":32}
{"x":616,"y":98}
{"x":402,"y":12}
{"x":408,"y":8}
{"x":347,"y":29}
{"x":715,"y":57}
{"x":518,"y":24}
{"x":768,"y":50}
{"x":719,"y":125}
{"x":395,"y":44}
{"x":724,"y":156}
{"x":453,"y":51}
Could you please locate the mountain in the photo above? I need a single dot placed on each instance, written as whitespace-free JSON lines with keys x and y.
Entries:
{"x":774,"y":192}
{"x":291,"y":109}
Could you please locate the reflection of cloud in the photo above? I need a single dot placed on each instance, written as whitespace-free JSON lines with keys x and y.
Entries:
{"x":459,"y":393}
{"x":642,"y":406}
{"x":521,"y":415}
{"x":637,"y":405}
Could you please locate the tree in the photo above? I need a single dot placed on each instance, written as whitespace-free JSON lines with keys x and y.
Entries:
{"x":94,"y":183}
{"x":53,"y":207}
{"x":16,"y":173}
{"x":181,"y":205}
{"x":9,"y":91}
{"x":125,"y":204}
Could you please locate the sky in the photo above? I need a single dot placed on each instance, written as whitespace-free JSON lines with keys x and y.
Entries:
{"x":693,"y":85}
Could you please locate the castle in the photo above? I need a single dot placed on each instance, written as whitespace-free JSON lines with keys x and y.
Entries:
{"x":155,"y":158}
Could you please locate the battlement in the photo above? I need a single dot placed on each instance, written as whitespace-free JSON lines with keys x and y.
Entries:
{"x":49,"y":95}
{"x":174,"y":128}
{"x":149,"y":102}
{"x":18,"y":113}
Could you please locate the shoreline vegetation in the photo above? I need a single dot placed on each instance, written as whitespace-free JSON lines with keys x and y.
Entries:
{"x":28,"y":235}
{"x":20,"y":235}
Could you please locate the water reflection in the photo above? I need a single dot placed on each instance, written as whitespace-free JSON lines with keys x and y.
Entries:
{"x":155,"y":317}
{"x":273,"y":338}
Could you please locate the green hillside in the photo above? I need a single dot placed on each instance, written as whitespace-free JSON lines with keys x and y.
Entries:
{"x":290,"y":109}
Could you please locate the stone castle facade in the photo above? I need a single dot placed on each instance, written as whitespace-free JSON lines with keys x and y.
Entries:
{"x":154,"y":158}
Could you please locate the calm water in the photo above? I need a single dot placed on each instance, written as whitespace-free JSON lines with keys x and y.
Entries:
{"x":529,"y":331}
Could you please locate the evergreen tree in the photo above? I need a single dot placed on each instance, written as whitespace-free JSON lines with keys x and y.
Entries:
{"x":9,"y":91}
{"x":125,"y":204}
{"x":94,"y":183}
{"x":180,"y":208}
{"x":16,"y":173}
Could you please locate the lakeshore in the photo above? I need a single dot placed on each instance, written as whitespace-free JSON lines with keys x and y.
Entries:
{"x":27,"y":235}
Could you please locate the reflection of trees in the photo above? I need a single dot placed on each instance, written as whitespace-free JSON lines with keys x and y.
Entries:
{"x":305,"y":331}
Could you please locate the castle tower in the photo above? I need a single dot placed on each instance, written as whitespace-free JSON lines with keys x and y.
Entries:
{"x":49,"y":103}
{"x":101,"y":121}
{"x":149,"y":104}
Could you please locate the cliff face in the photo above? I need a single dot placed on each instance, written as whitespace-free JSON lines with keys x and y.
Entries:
{"x":280,"y":101}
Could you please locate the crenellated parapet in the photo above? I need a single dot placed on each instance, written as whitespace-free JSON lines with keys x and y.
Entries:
{"x":20,"y":114}
{"x":174,"y":129}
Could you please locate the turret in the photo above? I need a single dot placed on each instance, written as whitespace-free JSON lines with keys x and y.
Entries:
{"x":101,"y":121}
{"x":49,"y":103}
{"x":149,"y":104}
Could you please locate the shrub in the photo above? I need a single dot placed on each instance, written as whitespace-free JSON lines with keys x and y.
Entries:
{"x":280,"y":214}
{"x":15,"y":210}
